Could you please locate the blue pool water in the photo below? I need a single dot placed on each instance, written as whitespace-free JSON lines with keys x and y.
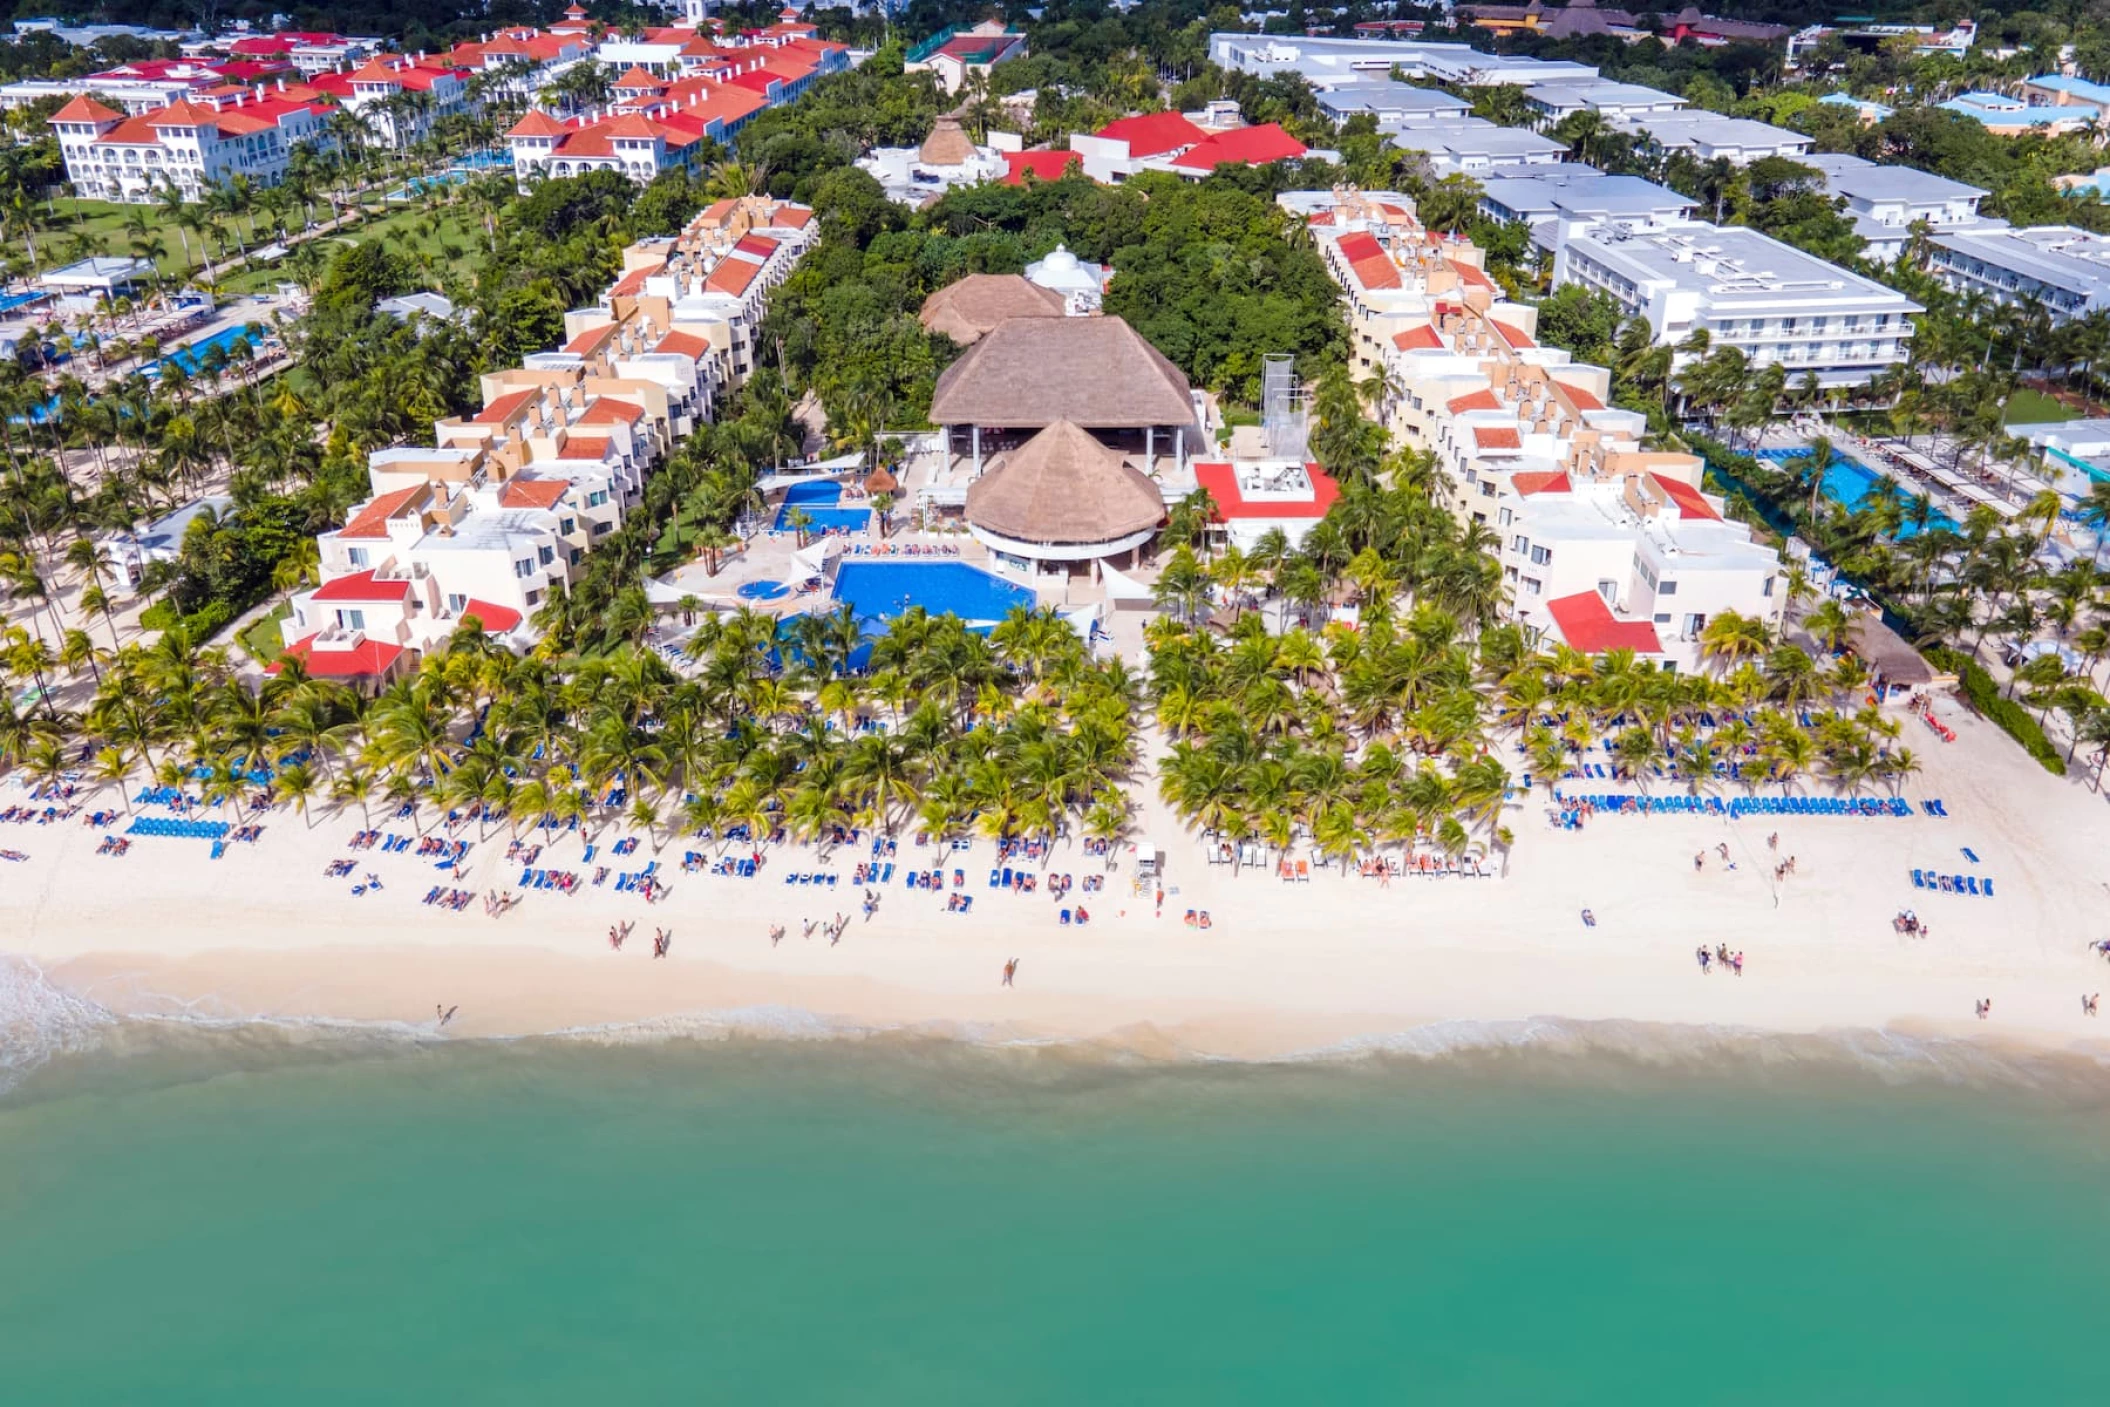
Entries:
{"x":761,"y":590}
{"x":1848,"y":482}
{"x":191,"y":356}
{"x":11,"y":301}
{"x":818,"y":501}
{"x":879,"y":591}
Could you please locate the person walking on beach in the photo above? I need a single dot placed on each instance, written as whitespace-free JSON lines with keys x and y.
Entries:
{"x":2088,"y":1004}
{"x":1702,"y":954}
{"x":1699,"y":860}
{"x":1010,"y":971}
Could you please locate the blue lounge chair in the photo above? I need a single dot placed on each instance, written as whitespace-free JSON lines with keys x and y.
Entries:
{"x":1970,"y":883}
{"x":1919,"y":881}
{"x":1968,"y":855}
{"x":1988,"y":889}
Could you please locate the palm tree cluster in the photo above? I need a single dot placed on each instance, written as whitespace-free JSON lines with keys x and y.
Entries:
{"x":1770,"y":714}
{"x":1014,"y":733}
{"x":1354,"y":738}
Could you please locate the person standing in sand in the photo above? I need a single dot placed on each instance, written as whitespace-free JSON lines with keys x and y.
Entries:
{"x":1010,"y":971}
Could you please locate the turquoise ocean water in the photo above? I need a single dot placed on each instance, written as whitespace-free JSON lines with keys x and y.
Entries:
{"x":240,"y":1217}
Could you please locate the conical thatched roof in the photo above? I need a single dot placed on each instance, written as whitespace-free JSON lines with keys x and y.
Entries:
{"x":967,"y":309}
{"x":1031,"y":372}
{"x":947,"y":144}
{"x":1064,"y":487}
{"x":880,"y":481}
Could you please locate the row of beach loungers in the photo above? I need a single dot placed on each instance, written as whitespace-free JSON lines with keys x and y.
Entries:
{"x":730,"y":866}
{"x":901,"y":549}
{"x":455,"y":899}
{"x":563,"y":881}
{"x":1412,"y":866}
{"x":1952,"y":884}
{"x":813,"y":878}
{"x":42,"y":815}
{"x":170,"y":826}
{"x":1641,"y":804}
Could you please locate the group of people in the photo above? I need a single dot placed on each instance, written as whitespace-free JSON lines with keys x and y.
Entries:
{"x":1699,"y":858}
{"x":1728,"y":961}
{"x":1908,"y":923}
{"x":617,"y":932}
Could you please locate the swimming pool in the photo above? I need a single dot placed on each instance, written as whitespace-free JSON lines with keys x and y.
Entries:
{"x":1850,"y":483}
{"x":191,"y":356}
{"x":818,"y":502}
{"x":880,"y":591}
{"x":11,"y":301}
{"x":761,"y":591}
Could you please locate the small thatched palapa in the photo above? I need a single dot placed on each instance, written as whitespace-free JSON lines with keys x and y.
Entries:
{"x":1063,"y":487}
{"x":967,"y":309}
{"x":947,"y":144}
{"x":1031,"y":372}
{"x":880,"y":481}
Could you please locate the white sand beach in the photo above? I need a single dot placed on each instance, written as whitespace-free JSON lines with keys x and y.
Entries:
{"x":1284,"y":967}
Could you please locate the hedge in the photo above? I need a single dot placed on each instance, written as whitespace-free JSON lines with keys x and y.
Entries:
{"x":1984,"y":694}
{"x":204,"y":623}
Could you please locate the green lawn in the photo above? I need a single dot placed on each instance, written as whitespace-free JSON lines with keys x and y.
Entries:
{"x":2027,"y":407}
{"x":264,"y":640}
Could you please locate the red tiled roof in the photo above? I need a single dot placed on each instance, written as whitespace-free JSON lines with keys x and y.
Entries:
{"x":761,"y":245}
{"x":1424,"y":338}
{"x":687,"y":344}
{"x":1360,"y":246}
{"x":1531,"y":482}
{"x":1222,"y":483}
{"x":361,"y":586}
{"x":1513,"y":336}
{"x":633,"y":282}
{"x":1690,"y":503}
{"x":497,"y":619}
{"x":1588,"y":625}
{"x":369,"y":657}
{"x":85,"y":109}
{"x":1471,"y":275}
{"x":1497,"y":437}
{"x":1482,"y":399}
{"x":1379,"y":272}
{"x":1247,"y":146}
{"x":732,"y":276}
{"x":585,"y":447}
{"x":504,"y":408}
{"x":606,"y":410}
{"x":1583,"y":399}
{"x":372,"y":520}
{"x":640,"y":77}
{"x":1154,"y":133}
{"x":591,"y":340}
{"x":537,"y":124}
{"x":532,"y":493}
{"x":757,"y":81}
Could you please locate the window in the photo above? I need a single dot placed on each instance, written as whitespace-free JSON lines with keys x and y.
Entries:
{"x":1662,"y":618}
{"x":352,"y":620}
{"x":1768,"y":591}
{"x":1506,"y":515}
{"x":1668,"y":588}
{"x":568,"y":526}
{"x":578,"y":555}
{"x":356,"y":556}
{"x":534,"y":598}
{"x":523,"y":569}
{"x":1531,"y":586}
{"x":1540,"y":556}
{"x":546,"y":555}
{"x":455,"y":602}
{"x":600,"y":529}
{"x":1520,"y":543}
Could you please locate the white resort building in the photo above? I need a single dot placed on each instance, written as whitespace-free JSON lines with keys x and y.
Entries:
{"x":1603,"y":544}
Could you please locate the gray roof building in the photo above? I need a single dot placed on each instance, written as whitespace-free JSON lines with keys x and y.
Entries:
{"x":1392,"y":103}
{"x":1473,"y":146}
{"x":1886,"y":201}
{"x":2064,"y":269}
{"x":1709,"y":135}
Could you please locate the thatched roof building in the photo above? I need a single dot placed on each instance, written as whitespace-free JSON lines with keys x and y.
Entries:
{"x":1064,"y":496}
{"x":968,"y":309}
{"x":1031,"y":372}
{"x":947,"y":145}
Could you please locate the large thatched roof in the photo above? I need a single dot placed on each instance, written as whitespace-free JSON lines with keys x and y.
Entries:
{"x":947,"y":144}
{"x":1031,"y":372}
{"x":1062,"y":486}
{"x":969,"y":308}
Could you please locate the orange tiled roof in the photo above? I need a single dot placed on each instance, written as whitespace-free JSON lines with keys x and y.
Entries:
{"x":1482,"y":399}
{"x":372,"y":520}
{"x":85,"y":109}
{"x":504,"y":408}
{"x":606,"y":410}
{"x":532,"y":493}
{"x":687,"y":344}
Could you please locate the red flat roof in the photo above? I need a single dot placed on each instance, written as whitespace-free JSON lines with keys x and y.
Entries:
{"x":1222,"y":483}
{"x":368,"y":657}
{"x":496,"y":619}
{"x":361,"y":586}
{"x":1045,"y":165}
{"x":1424,"y":338}
{"x":1588,"y":625}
